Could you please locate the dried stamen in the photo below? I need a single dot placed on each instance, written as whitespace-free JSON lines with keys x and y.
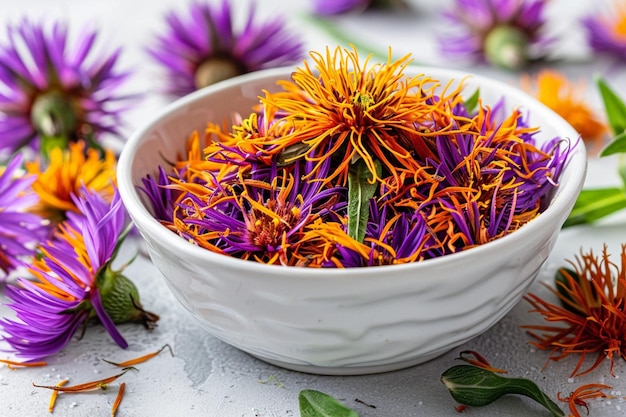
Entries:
{"x":118,"y":399}
{"x":140,"y":359}
{"x":53,"y":397}
{"x":87,"y":386}
{"x":16,"y":365}
{"x":479,"y":361}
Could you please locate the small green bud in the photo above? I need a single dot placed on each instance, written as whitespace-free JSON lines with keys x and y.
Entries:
{"x":506,"y":47}
{"x":120,"y":299}
{"x":53,"y":115}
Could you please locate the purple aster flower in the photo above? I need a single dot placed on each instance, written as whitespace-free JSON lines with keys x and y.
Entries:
{"x":607,"y":34}
{"x":205,"y":48}
{"x":74,"y":283}
{"x":20,"y":231}
{"x":335,"y":7}
{"x":51,"y":94}
{"x":507,"y":33}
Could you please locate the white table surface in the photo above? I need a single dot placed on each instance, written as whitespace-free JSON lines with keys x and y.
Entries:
{"x":209,"y":378}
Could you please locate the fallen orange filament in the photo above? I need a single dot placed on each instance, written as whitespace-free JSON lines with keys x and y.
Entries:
{"x":87,"y":386}
{"x":140,"y":359}
{"x":53,"y":397}
{"x":583,"y":393}
{"x":17,"y":365}
{"x":118,"y":399}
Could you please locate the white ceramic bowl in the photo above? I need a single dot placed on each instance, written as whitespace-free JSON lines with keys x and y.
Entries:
{"x":334,"y":321}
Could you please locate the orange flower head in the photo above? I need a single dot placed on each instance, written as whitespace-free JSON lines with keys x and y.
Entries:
{"x":68,"y":170}
{"x":592,"y":314}
{"x":555,"y":91}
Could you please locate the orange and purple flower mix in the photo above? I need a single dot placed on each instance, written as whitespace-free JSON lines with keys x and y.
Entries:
{"x":424,"y":172}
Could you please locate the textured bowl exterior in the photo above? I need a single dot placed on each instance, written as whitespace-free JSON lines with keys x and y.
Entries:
{"x":335,"y":321}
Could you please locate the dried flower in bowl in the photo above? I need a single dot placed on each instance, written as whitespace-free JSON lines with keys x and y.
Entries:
{"x":354,"y":164}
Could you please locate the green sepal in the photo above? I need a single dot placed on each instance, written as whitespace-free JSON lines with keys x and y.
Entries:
{"x":361,"y":188}
{"x":594,"y":204}
{"x":472,"y":102}
{"x":317,"y":404}
{"x":478,"y":387}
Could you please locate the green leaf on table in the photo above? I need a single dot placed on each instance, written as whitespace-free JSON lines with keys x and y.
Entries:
{"x":317,"y":404}
{"x":594,"y":204}
{"x":617,"y":145}
{"x":476,"y":387}
{"x":361,"y":189}
{"x":614,"y":106}
{"x":472,"y":102}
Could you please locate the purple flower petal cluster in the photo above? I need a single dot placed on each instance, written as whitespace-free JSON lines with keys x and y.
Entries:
{"x":605,"y":33}
{"x":20,"y":231}
{"x":507,"y":33}
{"x":50,"y":90}
{"x":65,"y":293}
{"x":204,"y":47}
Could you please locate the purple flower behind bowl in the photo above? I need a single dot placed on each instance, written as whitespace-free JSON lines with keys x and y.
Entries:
{"x":506,"y":33}
{"x":204,"y":47}
{"x":51,"y":94}
{"x":607,"y":33}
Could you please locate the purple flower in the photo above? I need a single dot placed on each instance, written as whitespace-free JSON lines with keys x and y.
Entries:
{"x":335,"y":7}
{"x":507,"y":33}
{"x":391,"y":238}
{"x":260,"y":217}
{"x":606,"y":34}
{"x":73,"y":282}
{"x":53,"y":94}
{"x":20,"y":231}
{"x":205,"y":48}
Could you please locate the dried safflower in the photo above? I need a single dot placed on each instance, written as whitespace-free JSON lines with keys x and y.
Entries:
{"x":591,"y":317}
{"x":351,"y":164}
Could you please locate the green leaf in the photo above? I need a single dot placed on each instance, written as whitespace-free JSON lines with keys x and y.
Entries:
{"x":621,"y":169}
{"x":614,"y":107}
{"x":472,"y":102}
{"x":594,"y":204}
{"x":617,"y":145}
{"x":317,"y":404}
{"x":360,"y":191}
{"x":332,"y":29}
{"x":477,"y":387}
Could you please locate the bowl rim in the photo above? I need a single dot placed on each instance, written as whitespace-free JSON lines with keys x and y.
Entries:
{"x":564,"y":197}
